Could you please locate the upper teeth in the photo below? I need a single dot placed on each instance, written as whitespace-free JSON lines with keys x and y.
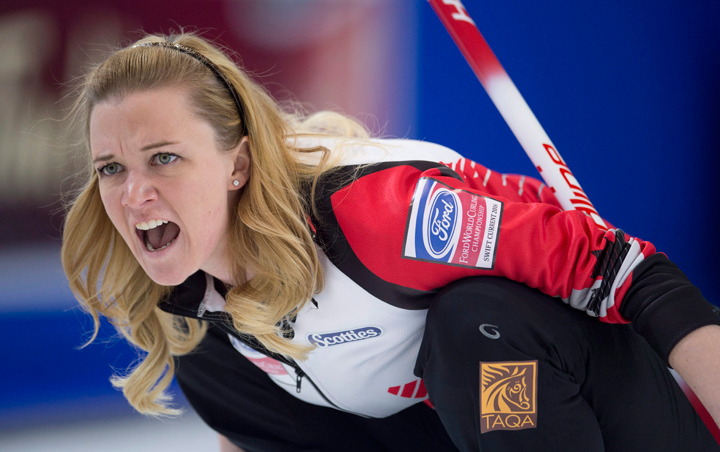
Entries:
{"x":152,"y":224}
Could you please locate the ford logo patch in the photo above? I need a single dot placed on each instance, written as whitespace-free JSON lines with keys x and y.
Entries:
{"x":441,"y":222}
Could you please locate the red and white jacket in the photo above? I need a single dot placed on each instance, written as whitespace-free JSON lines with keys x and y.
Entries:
{"x":400,"y":220}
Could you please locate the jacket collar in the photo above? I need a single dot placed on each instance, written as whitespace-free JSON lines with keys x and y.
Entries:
{"x":199,"y":296}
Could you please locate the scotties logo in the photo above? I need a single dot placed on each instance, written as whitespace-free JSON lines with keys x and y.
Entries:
{"x":441,"y":223}
{"x":508,"y":395}
{"x":323,"y":340}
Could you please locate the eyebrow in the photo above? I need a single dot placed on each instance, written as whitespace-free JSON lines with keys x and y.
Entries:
{"x":159,"y":144}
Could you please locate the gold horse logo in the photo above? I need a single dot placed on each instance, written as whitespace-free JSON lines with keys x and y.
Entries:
{"x":507,"y":387}
{"x":508,"y":395}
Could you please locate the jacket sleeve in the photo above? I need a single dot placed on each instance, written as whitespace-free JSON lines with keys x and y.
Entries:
{"x":421,"y":229}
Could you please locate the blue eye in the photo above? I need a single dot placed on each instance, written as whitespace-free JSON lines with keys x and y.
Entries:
{"x":110,"y":169}
{"x":164,"y":158}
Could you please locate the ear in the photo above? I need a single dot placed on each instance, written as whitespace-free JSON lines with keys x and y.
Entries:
{"x":241,"y":170}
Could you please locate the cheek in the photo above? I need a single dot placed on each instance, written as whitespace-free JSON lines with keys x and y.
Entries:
{"x":112,"y":201}
{"x":113,"y":209}
{"x":205,"y":209}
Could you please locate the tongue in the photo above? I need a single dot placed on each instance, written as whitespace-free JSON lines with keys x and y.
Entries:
{"x":162,"y":235}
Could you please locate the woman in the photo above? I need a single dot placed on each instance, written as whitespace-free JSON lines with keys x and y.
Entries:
{"x":315,"y":251}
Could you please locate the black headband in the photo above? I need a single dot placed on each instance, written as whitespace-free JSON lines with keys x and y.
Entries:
{"x":206,"y":61}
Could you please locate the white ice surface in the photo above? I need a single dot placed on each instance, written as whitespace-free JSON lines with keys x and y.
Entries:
{"x":128,"y":434}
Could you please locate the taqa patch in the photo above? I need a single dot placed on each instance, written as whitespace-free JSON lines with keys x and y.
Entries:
{"x":508,"y":395}
{"x":453,"y":227}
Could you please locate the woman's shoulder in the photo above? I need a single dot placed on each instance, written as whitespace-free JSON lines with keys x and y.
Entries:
{"x":357,"y":151}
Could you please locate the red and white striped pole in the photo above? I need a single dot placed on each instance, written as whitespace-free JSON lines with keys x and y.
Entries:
{"x":529,"y":132}
{"x":513,"y":108}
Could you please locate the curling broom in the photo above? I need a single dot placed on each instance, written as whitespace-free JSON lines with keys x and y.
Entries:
{"x":529,"y":132}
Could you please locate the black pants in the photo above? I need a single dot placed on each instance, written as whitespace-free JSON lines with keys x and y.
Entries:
{"x":595,"y":387}
{"x":591,"y":386}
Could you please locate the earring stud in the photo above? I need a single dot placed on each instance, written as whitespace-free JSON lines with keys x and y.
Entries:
{"x":236,"y":182}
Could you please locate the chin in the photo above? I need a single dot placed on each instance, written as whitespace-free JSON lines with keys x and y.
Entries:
{"x":167,"y":278}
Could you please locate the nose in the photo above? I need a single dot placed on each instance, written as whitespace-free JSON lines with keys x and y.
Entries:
{"x":138,"y":191}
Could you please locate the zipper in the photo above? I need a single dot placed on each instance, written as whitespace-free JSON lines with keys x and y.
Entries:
{"x":222,"y":322}
{"x":300,"y":374}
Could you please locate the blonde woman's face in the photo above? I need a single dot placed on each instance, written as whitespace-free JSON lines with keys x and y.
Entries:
{"x":164,"y":184}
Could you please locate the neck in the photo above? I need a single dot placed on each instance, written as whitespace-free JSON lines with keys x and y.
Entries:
{"x":223,"y":273}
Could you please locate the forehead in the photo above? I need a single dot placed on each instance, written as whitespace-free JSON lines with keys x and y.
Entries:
{"x":132,"y":121}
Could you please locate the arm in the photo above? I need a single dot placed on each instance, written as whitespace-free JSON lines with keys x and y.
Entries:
{"x":496,"y":231}
{"x":696,"y":358}
{"x":437,"y":227}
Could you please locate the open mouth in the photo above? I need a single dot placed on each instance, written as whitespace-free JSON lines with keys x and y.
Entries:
{"x":157,"y":234}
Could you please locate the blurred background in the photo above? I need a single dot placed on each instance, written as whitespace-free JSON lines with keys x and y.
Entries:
{"x":628,"y":91}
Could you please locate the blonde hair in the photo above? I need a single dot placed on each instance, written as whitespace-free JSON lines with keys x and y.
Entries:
{"x":269,"y":232}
